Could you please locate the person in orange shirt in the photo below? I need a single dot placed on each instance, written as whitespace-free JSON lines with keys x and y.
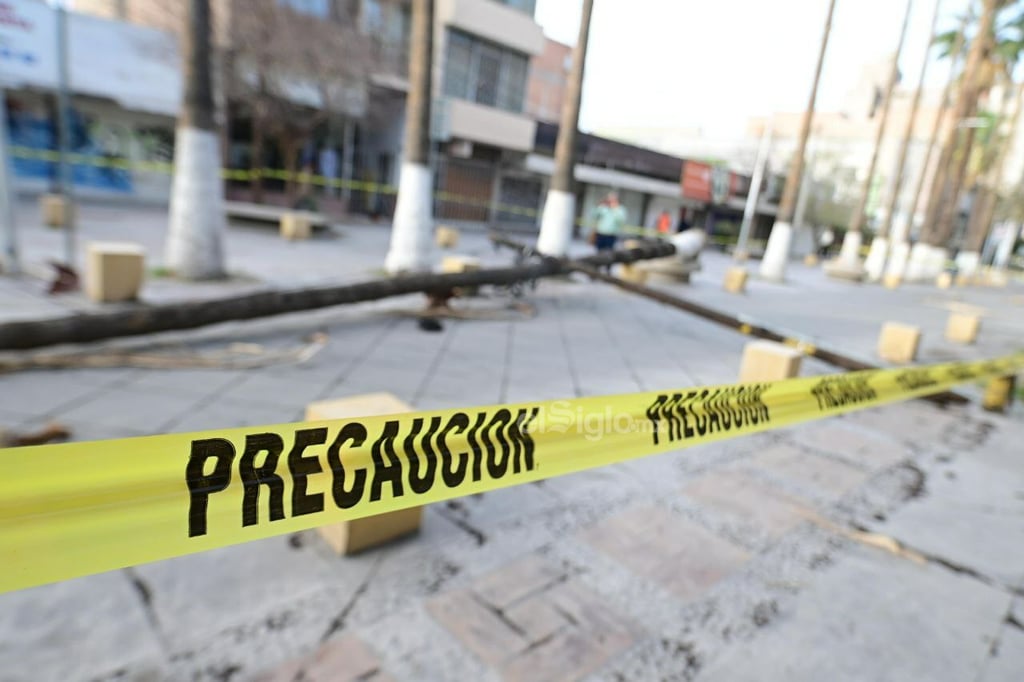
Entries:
{"x":664,"y":222}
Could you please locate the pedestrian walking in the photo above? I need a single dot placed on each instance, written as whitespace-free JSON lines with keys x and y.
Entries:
{"x":825,"y":241}
{"x":609,"y":221}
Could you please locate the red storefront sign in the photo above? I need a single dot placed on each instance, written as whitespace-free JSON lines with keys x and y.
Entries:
{"x":696,"y":181}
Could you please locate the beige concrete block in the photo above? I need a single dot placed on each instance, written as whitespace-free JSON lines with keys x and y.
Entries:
{"x":631,"y":273}
{"x":964,"y":280}
{"x":296,"y":225}
{"x":669,"y":270}
{"x":963,"y":327}
{"x":892,"y":281}
{"x":736,"y":280}
{"x":56,"y":210}
{"x":769,"y":361}
{"x":944,"y":280}
{"x":632,"y":244}
{"x":460,"y":264}
{"x":114,"y":271}
{"x":899,"y":342}
{"x":349,"y":537}
{"x":446,"y":237}
{"x":811,"y":260}
{"x":999,"y":393}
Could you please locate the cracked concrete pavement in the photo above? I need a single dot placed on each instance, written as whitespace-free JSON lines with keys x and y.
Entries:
{"x":883,"y":545}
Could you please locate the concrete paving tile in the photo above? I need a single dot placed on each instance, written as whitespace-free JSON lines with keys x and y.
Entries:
{"x":225,"y":413}
{"x":290,"y":392}
{"x":677,"y":554}
{"x":39,"y":394}
{"x":1007,"y":660}
{"x":749,"y":500}
{"x":145,"y":410}
{"x":530,"y":621}
{"x":193,"y":382}
{"x":873,"y":616}
{"x":87,"y":628}
{"x":861,"y":447}
{"x":208,"y":593}
{"x":822,"y":476}
{"x":343,"y":659}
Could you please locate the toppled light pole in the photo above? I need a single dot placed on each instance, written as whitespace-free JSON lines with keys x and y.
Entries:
{"x":560,"y":204}
{"x":9,"y":262}
{"x":195,"y":234}
{"x":411,"y":228}
{"x":776,"y":254}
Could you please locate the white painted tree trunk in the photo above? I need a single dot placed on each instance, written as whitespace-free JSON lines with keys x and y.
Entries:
{"x":556,"y":223}
{"x":874,"y":264}
{"x":897,"y":265}
{"x":967,"y":263}
{"x":776,"y":253}
{"x":195,"y":236}
{"x":411,"y":231}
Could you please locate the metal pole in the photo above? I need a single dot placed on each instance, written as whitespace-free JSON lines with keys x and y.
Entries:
{"x":11,"y":265}
{"x":754,"y":193}
{"x":66,"y":182}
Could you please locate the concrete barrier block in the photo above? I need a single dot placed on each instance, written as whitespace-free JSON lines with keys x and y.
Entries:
{"x":769,"y":361}
{"x":892,"y":281}
{"x":944,"y":280}
{"x":963,"y":328}
{"x":999,"y":393}
{"x":631,"y":273}
{"x":349,"y":537}
{"x":899,"y":342}
{"x":114,"y":271}
{"x":296,"y":225}
{"x":736,"y":280}
{"x":446,"y":237}
{"x":811,"y":260}
{"x":56,"y":210}
{"x":460,"y":264}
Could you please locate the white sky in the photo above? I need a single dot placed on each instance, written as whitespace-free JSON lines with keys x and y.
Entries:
{"x":711,"y":64}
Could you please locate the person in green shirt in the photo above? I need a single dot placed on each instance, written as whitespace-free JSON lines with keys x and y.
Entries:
{"x":609,"y":220}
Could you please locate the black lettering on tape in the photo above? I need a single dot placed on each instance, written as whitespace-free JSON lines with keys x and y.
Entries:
{"x":714,"y":421}
{"x":686,"y":415}
{"x":391,"y":471}
{"x":301,"y":468}
{"x":200,"y":485}
{"x":522,"y":455}
{"x":475,"y":451}
{"x":422,"y":483}
{"x":654,"y":415}
{"x":496,"y":468}
{"x":453,"y":476}
{"x":700,"y":417}
{"x":354,"y":433}
{"x":253,"y":477}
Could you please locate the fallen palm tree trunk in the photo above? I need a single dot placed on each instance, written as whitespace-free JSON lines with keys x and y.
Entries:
{"x":148,"y":319}
{"x":746,"y":327}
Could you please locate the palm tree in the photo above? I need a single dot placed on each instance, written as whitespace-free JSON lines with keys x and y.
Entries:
{"x":879,"y":254}
{"x":773,"y":265}
{"x":977,"y":78}
{"x":195,"y":234}
{"x":560,"y":203}
{"x":848,"y":264}
{"x":410,"y":231}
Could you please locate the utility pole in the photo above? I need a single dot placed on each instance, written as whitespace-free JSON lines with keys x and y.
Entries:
{"x":848,"y":265}
{"x":560,"y":205}
{"x":413,"y":222}
{"x":875,"y":263}
{"x":66,"y":177}
{"x":776,"y":255}
{"x":754,"y":193}
{"x":195,"y":235}
{"x":9,"y":262}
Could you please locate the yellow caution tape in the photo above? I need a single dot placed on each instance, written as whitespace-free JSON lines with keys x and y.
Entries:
{"x":81,"y":508}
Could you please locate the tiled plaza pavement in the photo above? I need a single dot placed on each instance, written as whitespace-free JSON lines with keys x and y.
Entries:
{"x":747,"y":559}
{"x":768,"y":557}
